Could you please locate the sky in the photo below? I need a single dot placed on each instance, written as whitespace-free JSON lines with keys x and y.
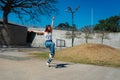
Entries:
{"x":89,"y":13}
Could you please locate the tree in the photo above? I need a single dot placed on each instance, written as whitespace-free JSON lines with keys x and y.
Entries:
{"x":87,"y":30}
{"x":63,"y":26}
{"x":111,"y":24}
{"x":31,"y":8}
{"x":66,"y":26}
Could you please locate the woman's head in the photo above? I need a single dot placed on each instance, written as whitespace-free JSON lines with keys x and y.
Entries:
{"x":48,"y":28}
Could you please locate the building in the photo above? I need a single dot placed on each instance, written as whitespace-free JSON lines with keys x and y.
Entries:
{"x":17,"y":34}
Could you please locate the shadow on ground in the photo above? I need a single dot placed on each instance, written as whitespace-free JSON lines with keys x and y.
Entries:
{"x":61,"y":65}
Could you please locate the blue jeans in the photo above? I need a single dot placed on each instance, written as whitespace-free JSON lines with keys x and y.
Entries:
{"x":51,"y":45}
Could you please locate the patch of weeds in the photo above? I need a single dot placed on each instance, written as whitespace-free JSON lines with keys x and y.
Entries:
{"x":41,"y":55}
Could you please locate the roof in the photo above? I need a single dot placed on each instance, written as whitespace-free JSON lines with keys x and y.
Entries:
{"x":10,"y":23}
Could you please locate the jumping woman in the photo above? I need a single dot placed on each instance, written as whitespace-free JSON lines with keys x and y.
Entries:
{"x":48,"y":40}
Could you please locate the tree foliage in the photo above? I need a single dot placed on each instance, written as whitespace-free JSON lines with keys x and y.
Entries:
{"x":65,"y":26}
{"x":111,"y":24}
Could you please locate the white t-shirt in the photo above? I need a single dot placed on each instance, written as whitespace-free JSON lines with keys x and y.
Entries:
{"x":48,"y":36}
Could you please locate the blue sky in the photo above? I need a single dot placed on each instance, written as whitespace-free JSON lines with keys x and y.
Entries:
{"x":90,"y":12}
{"x":100,"y":9}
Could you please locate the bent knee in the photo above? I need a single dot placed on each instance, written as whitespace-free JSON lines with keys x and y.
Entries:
{"x":53,"y":44}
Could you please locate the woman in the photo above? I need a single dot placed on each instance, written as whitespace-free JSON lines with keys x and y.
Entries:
{"x":48,"y":40}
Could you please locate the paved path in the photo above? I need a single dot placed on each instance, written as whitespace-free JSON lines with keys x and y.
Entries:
{"x":16,"y":65}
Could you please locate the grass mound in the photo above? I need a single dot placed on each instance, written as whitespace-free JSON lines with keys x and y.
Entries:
{"x":97,"y":54}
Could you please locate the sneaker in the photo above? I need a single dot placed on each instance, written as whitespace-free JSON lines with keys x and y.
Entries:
{"x":50,"y":55}
{"x":48,"y":64}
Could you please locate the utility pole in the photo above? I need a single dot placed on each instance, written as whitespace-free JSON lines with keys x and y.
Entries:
{"x":69,"y":9}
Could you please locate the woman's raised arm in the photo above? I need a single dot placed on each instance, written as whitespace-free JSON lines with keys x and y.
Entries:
{"x":52,"y":25}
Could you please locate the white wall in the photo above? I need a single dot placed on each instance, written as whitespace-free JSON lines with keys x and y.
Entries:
{"x":112,"y":39}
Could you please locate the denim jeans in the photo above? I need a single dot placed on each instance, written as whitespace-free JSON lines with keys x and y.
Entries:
{"x":51,"y":45}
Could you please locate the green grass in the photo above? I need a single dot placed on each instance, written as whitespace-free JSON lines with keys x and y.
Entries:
{"x":40,"y":55}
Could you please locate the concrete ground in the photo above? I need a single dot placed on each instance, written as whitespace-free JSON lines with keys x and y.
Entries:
{"x":15,"y":65}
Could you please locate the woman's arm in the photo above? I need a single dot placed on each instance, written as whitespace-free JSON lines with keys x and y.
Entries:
{"x":40,"y":33}
{"x":52,"y":25}
{"x":37,"y":32}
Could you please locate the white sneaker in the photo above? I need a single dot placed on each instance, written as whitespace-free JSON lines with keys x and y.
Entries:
{"x":48,"y":64}
{"x":50,"y":55}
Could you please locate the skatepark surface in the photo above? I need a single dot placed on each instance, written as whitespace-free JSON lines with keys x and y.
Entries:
{"x":15,"y":65}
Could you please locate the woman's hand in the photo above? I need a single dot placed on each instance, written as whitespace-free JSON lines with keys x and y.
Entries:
{"x":53,"y":18}
{"x":30,"y":30}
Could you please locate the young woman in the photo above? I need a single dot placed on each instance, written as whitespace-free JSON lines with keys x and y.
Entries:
{"x":48,"y":40}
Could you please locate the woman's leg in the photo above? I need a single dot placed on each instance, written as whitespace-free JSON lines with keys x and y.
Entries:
{"x":51,"y":46}
{"x":52,"y":49}
{"x":52,"y":52}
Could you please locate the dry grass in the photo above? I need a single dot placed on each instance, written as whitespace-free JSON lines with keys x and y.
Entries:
{"x":97,"y":54}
